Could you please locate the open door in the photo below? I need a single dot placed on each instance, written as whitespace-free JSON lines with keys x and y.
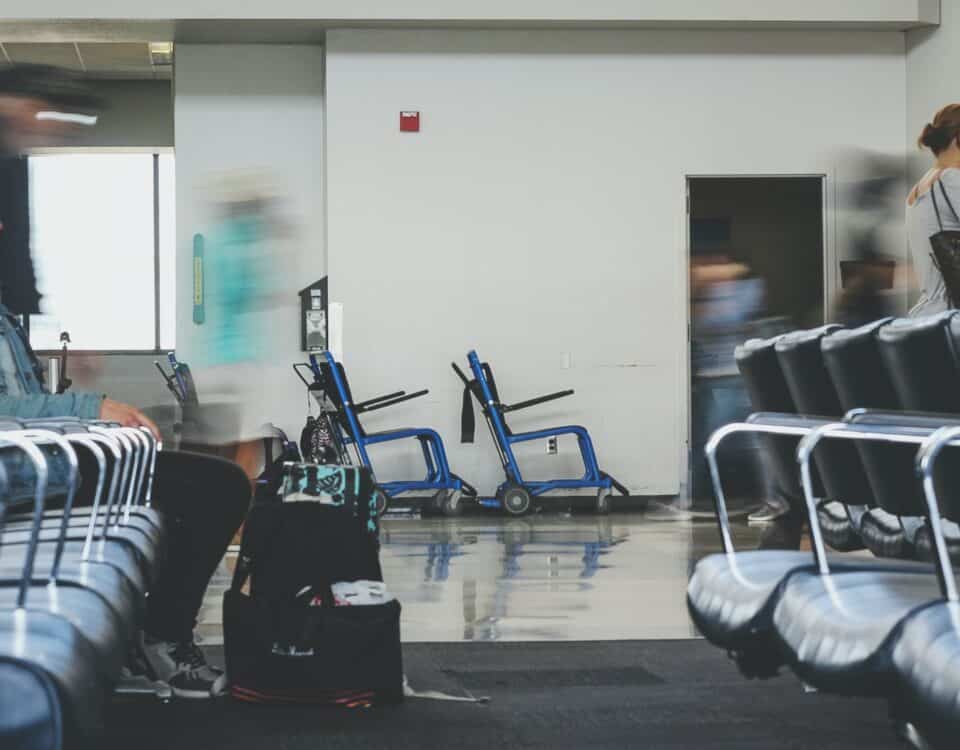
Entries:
{"x":757,"y":260}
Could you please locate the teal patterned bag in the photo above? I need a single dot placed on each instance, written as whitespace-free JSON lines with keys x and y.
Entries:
{"x":348,"y":487}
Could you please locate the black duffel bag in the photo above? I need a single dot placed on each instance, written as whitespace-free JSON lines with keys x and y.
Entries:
{"x":285,"y":638}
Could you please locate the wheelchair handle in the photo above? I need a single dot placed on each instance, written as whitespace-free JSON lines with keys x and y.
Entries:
{"x":296,"y":369}
{"x":460,"y":374}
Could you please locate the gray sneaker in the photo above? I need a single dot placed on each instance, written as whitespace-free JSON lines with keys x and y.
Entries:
{"x":184,"y":668}
{"x":769,"y":512}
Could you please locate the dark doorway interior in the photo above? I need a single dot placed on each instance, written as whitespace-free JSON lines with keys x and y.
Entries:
{"x":756,"y":262}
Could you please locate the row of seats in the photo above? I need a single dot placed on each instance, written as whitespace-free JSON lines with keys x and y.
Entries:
{"x":73,"y":580}
{"x":852,"y":423}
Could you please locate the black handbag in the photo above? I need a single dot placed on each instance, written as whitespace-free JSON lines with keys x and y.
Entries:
{"x":946,"y":248}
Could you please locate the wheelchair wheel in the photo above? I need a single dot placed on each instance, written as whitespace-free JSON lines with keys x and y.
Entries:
{"x":434,"y":505}
{"x":515,"y":500}
{"x":603,"y":501}
{"x":381,"y":501}
{"x":451,"y":503}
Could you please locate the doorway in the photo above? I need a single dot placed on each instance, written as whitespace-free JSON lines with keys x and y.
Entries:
{"x":757,"y":269}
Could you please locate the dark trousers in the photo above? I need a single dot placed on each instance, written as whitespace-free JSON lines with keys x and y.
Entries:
{"x":204,"y":500}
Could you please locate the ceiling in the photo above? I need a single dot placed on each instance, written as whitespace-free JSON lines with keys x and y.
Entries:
{"x":101,"y":60}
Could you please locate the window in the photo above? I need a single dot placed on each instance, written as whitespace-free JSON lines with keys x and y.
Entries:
{"x":102,"y":230}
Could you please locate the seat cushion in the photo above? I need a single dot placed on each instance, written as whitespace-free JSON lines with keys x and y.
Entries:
{"x":923,"y":544}
{"x":55,"y":646}
{"x":883,"y":536}
{"x":89,"y":612}
{"x":838,"y":631}
{"x":141,"y":547}
{"x":117,"y":555}
{"x":927,"y":662}
{"x":29,"y":708}
{"x":726,"y":597}
{"x":838,"y":532}
{"x":731,"y":603}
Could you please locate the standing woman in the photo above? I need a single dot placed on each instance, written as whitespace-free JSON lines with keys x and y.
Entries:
{"x":939,"y":190}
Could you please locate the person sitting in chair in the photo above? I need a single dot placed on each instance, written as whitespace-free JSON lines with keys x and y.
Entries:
{"x":203,"y":499}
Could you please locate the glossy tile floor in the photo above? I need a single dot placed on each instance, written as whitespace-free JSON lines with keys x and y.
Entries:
{"x":546,"y":577}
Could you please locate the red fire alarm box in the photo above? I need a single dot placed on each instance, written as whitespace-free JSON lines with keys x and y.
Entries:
{"x":409,"y":122}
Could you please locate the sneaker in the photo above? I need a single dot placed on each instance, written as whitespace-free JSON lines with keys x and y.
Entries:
{"x":184,"y":668}
{"x":769,"y":512}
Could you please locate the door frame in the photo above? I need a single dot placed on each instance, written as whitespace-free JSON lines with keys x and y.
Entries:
{"x":831,"y":284}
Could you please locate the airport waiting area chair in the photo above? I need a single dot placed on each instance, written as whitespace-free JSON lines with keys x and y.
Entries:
{"x":878,"y":626}
{"x":73,"y":580}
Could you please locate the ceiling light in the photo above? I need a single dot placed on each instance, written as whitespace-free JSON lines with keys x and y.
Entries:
{"x":71,"y":117}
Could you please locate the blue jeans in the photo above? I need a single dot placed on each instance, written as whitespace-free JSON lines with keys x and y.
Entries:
{"x":717,"y":402}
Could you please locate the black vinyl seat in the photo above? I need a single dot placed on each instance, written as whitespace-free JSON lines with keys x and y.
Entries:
{"x":129,"y":543}
{"x":921,"y":360}
{"x":927,"y":653}
{"x":839,"y":466}
{"x":858,"y":373}
{"x":732,"y":602}
{"x":839,"y":631}
{"x":73,"y":635}
{"x":921,"y":356}
{"x":98,"y":614}
{"x":927,"y":660}
{"x":73,"y":581}
{"x":732,"y":596}
{"x":37,"y":722}
{"x":55,"y":647}
{"x":769,"y":393}
{"x":134,"y":475}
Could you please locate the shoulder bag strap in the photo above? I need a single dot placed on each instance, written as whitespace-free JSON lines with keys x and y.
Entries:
{"x":936,"y":208}
{"x":946,"y":197}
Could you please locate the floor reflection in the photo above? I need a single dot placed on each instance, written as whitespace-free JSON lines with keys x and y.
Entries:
{"x":547,"y":577}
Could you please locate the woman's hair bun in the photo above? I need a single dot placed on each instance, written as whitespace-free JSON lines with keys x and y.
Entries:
{"x":939,"y":134}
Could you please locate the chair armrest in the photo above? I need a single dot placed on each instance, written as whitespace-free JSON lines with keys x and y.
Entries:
{"x":370,"y":402}
{"x":537,"y":401}
{"x":393,"y":402}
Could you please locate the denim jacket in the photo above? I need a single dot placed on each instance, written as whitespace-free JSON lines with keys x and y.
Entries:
{"x":22,"y":392}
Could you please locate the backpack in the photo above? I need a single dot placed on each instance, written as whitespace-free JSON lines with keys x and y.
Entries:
{"x":286,"y":640}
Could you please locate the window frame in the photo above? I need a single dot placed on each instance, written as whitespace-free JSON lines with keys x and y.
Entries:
{"x":156,"y":152}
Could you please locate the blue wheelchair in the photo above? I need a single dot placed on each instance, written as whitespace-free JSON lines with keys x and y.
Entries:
{"x":448,"y":490}
{"x":516,"y":494}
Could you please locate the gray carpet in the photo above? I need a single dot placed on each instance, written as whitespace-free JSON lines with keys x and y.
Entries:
{"x":630,"y":694}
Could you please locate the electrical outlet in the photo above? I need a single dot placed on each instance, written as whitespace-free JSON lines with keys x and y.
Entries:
{"x":552,"y":446}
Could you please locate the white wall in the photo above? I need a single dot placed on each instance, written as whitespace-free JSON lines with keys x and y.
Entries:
{"x":932,"y":59}
{"x":541,"y":211}
{"x":253,"y":108}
